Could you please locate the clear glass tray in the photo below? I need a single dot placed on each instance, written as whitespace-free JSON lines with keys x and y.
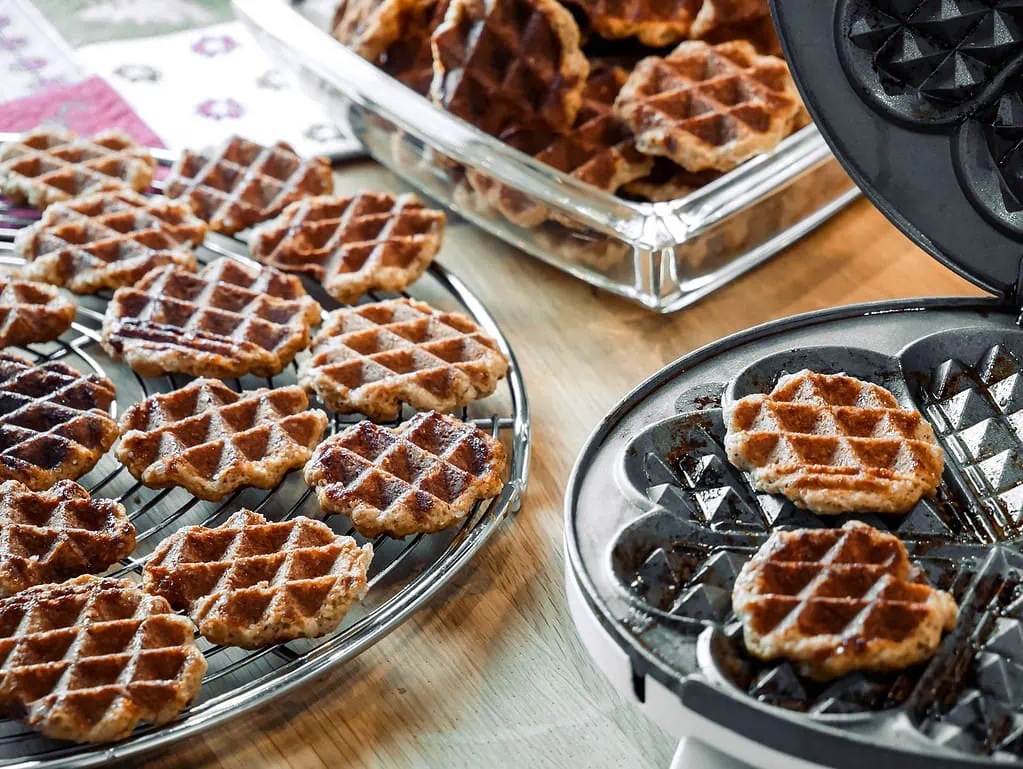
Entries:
{"x":662,"y":255}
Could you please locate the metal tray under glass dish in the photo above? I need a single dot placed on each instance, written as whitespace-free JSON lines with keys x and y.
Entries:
{"x":405,"y":573}
{"x":661,"y":255}
{"x":659,"y":523}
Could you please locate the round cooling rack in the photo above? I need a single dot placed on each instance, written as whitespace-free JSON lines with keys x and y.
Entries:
{"x":404,"y":574}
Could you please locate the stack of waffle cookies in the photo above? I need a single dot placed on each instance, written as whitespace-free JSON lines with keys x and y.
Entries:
{"x":87,"y":657}
{"x":596,"y":89}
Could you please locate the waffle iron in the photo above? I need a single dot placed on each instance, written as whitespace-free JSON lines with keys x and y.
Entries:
{"x":922,"y":102}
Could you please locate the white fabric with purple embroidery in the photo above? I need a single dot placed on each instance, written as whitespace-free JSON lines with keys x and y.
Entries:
{"x":33,"y":55}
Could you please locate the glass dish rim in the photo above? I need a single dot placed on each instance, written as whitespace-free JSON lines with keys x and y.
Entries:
{"x":310,"y":50}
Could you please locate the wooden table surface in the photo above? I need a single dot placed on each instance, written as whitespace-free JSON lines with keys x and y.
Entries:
{"x":491,"y":673}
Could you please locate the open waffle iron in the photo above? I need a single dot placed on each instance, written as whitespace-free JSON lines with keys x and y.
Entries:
{"x":404,"y":574}
{"x":922,"y":102}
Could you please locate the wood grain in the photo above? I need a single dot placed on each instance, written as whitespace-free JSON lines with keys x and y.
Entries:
{"x":491,"y":674}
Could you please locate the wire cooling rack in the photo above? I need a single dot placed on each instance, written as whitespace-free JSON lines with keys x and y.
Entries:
{"x":404,"y":574}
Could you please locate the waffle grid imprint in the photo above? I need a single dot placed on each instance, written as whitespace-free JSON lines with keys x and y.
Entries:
{"x":242,"y":183}
{"x":225,"y":321}
{"x":422,"y":476}
{"x":838,"y":600}
{"x":212,"y":440}
{"x":372,"y":358}
{"x":108,"y":240}
{"x":251,"y":582}
{"x":600,"y":150}
{"x":657,"y":23}
{"x":834,"y":444}
{"x":88,"y":659}
{"x":353,"y":245}
{"x":50,"y":165}
{"x":709,"y":106}
{"x":54,"y":421}
{"x":58,"y":534}
{"x":32,"y":312}
{"x":509,"y":64}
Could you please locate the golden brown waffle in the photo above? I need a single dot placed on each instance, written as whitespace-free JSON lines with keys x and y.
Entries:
{"x":88,"y":659}
{"x":709,"y":106}
{"x":225,"y":321}
{"x":211,"y":440}
{"x":372,"y":358}
{"x":837,"y":600}
{"x":32,"y":312}
{"x":668,"y":181}
{"x":834,"y":444}
{"x":50,"y":165}
{"x":53,"y":535}
{"x":600,"y":150}
{"x":373,"y":241}
{"x":759,"y":31}
{"x":251,"y":582}
{"x":394,"y":35}
{"x":658,"y":23}
{"x":502,"y":64}
{"x":108,"y":240}
{"x":421,"y":476}
{"x":590,"y":248}
{"x":54,"y":421}
{"x":242,"y":183}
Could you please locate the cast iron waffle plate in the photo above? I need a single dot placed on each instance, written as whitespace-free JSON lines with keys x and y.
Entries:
{"x":659,"y":525}
{"x":404,"y":574}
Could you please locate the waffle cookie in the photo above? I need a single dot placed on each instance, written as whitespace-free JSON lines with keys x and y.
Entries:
{"x":54,"y":422}
{"x":57,"y":534}
{"x":837,"y":600}
{"x":212,"y":440}
{"x":834,"y":444}
{"x":242,"y":183}
{"x":49,"y":165}
{"x":668,"y":181}
{"x":709,"y":107}
{"x":509,"y":64}
{"x":108,"y":240}
{"x":372,"y":241}
{"x":88,"y":659}
{"x":600,"y":150}
{"x":225,"y":321}
{"x":421,"y":476}
{"x":394,"y":35}
{"x":372,"y":358}
{"x":251,"y":582}
{"x":32,"y":312}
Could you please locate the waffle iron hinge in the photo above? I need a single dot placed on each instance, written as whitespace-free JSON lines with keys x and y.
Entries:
{"x":1017,"y":293}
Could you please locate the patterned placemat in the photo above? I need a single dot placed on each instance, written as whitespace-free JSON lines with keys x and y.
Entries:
{"x":93,"y":21}
{"x":33,"y":55}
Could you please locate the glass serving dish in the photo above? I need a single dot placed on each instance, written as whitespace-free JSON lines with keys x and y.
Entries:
{"x":662,"y":255}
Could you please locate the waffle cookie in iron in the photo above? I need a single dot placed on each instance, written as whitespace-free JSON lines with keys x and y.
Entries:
{"x":372,"y":358}
{"x":88,"y":659}
{"x":211,"y":440}
{"x":50,"y":165}
{"x":228,"y":320}
{"x":394,"y":35}
{"x":373,"y":241}
{"x":600,"y":150}
{"x":834,"y":444}
{"x":421,"y":476}
{"x":837,"y":600}
{"x":659,"y":23}
{"x":710,"y":107}
{"x":53,"y":535}
{"x":32,"y":312}
{"x":251,"y":582}
{"x":509,"y":63}
{"x":108,"y":240}
{"x":242,"y":183}
{"x":54,"y":421}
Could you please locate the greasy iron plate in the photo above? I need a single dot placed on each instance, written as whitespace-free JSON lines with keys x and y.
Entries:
{"x":658,"y":524}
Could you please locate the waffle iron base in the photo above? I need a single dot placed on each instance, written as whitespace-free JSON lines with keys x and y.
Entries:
{"x":658,"y":524}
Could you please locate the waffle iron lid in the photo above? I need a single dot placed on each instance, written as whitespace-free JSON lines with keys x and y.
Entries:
{"x":922,"y":103}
